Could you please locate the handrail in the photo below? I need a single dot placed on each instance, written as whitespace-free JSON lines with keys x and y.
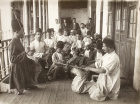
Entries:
{"x":4,"y":54}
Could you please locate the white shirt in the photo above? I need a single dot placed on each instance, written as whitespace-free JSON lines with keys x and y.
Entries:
{"x":57,"y":27}
{"x":108,"y":84}
{"x":73,"y":38}
{"x":49,"y":42}
{"x":98,"y":56}
{"x":86,"y":54}
{"x":38,"y":47}
{"x":87,"y":41}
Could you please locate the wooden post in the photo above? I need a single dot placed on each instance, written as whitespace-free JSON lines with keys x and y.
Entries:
{"x":136,"y":79}
{"x":98,"y":14}
{"x":43,"y":9}
{"x":40,"y":14}
{"x":105,"y":19}
{"x":47,"y":15}
{"x":3,"y":60}
{"x":34,"y":15}
{"x":26,"y":18}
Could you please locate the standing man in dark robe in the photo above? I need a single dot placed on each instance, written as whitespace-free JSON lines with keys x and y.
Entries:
{"x":22,"y":68}
{"x":65,"y":25}
{"x":90,"y":25}
{"x":74,"y":25}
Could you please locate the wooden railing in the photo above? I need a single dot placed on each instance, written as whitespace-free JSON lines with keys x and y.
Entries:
{"x":4,"y":53}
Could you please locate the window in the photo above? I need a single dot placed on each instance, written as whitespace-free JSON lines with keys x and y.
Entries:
{"x":124,"y":11}
{"x":132,"y":22}
{"x":109,"y":23}
{"x":118,"y":19}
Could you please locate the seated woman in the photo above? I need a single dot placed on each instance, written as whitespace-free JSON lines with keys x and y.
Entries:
{"x":57,"y":59}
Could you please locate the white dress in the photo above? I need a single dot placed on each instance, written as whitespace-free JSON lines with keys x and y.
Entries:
{"x":84,"y":32}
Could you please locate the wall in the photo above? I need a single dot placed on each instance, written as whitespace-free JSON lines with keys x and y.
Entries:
{"x":53,"y":12}
{"x":5,"y":20}
{"x":81,"y":15}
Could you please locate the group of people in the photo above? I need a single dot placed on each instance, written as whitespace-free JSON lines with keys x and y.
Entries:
{"x":68,"y":51}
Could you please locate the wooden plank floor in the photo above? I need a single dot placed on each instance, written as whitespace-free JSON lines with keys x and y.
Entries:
{"x":59,"y":92}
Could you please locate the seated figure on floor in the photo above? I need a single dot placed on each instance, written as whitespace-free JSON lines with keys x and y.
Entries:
{"x":108,"y":82}
{"x":56,"y":68}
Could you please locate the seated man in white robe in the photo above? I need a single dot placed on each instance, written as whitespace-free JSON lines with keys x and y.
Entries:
{"x":108,"y":82}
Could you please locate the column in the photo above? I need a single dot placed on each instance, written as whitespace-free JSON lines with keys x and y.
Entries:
{"x":47,"y":15}
{"x":105,"y":18}
{"x":136,"y":79}
{"x":89,"y":8}
{"x":40,"y":13}
{"x":98,"y":14}
{"x":34,"y":16}
{"x":43,"y":10}
{"x":25,"y":18}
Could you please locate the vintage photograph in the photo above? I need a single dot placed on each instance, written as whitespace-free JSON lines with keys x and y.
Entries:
{"x":69,"y":51}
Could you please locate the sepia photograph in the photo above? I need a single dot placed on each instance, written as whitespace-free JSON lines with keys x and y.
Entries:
{"x":69,"y":51}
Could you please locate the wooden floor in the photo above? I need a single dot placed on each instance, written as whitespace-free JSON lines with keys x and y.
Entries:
{"x":59,"y":92}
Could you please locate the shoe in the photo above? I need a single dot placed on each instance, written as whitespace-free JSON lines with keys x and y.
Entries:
{"x":33,"y":87}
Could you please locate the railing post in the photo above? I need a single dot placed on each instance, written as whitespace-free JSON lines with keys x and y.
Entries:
{"x":7,"y":55}
{"x":34,"y":15}
{"x":3,"y":60}
{"x":0,"y":61}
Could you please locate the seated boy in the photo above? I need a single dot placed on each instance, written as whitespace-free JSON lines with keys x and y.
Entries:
{"x":57,"y":59}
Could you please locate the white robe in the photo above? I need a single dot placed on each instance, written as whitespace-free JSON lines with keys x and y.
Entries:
{"x":108,"y":84}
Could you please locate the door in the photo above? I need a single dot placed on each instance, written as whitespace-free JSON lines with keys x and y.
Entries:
{"x":125,"y":33}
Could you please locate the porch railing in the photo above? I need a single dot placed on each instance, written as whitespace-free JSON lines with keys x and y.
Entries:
{"x":4,"y":53}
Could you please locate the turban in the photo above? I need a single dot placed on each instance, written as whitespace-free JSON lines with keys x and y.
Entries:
{"x":38,"y":30}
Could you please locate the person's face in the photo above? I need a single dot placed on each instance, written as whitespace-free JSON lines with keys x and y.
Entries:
{"x":89,"y":20}
{"x":65,"y":21}
{"x":74,"y":20}
{"x":38,"y":36}
{"x":59,"y":50}
{"x":78,"y":36}
{"x":88,"y":47}
{"x":88,"y":36}
{"x":82,"y":25}
{"x":21,"y":33}
{"x":56,"y":20}
{"x":65,"y":33}
{"x":105,"y":48}
{"x":60,"y":33}
{"x":48,"y":35}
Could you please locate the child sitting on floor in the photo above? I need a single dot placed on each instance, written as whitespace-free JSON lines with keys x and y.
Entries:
{"x":57,"y":58}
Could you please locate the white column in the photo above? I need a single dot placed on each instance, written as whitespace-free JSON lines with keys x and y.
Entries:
{"x":105,"y":18}
{"x":53,"y":12}
{"x":136,"y":79}
{"x":34,"y":16}
{"x":98,"y":14}
{"x":40,"y":13}
{"x":89,"y":8}
{"x":43,"y":14}
{"x":25,"y":18}
{"x":47,"y":15}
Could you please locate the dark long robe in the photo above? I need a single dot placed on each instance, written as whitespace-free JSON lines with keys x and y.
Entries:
{"x":22,"y":68}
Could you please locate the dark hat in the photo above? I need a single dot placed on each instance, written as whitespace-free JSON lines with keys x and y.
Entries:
{"x":49,"y":30}
{"x":38,"y":30}
{"x":52,"y":30}
{"x":60,"y":44}
{"x":16,"y":25}
{"x":60,"y":30}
